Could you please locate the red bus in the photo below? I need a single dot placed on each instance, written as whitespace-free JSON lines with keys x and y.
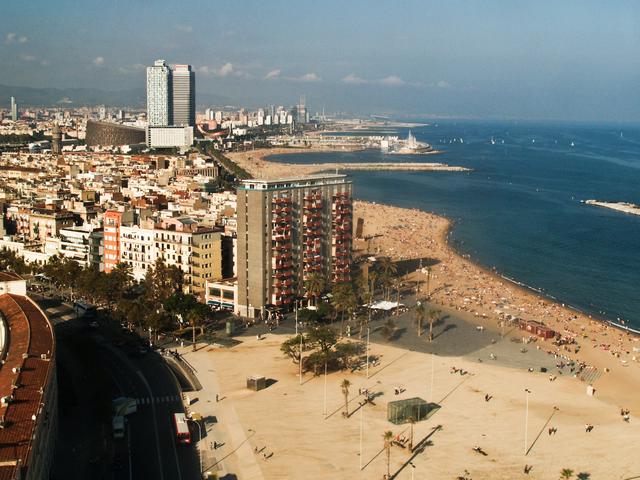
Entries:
{"x":182,"y":428}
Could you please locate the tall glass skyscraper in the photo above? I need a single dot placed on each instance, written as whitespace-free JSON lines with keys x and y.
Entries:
{"x":184,"y":95}
{"x":159,"y":104}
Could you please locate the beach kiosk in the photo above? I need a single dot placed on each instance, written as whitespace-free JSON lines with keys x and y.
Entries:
{"x":401,"y":411}
{"x":256,"y":382}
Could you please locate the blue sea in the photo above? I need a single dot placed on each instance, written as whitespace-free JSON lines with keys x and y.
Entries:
{"x":520,"y":208}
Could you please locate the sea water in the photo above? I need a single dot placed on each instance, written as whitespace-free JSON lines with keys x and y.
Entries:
{"x":520,"y":208}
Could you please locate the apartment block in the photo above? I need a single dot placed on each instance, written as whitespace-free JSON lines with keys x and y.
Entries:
{"x":288,"y":229}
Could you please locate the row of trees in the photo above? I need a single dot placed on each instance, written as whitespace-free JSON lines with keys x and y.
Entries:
{"x":157,"y":303}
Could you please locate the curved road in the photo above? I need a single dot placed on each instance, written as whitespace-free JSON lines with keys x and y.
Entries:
{"x":150,"y":450}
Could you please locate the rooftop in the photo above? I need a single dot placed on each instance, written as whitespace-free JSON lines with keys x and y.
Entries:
{"x":317,"y":179}
{"x":23,"y":378}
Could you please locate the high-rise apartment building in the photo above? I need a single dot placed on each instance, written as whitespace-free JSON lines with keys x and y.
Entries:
{"x":288,"y":229}
{"x":184,"y":95}
{"x":159,"y":92}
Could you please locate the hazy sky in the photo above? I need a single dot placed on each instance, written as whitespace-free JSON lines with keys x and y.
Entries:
{"x":527,"y":59}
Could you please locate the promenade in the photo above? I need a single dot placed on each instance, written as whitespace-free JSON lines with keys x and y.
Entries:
{"x":283,"y":431}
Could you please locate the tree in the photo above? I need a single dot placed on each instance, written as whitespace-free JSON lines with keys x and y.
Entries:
{"x":323,"y":338}
{"x":117,"y":282}
{"x":291,"y":347}
{"x":346,"y":351}
{"x":314,"y":285}
{"x":388,"y":437}
{"x":387,"y":270}
{"x":162,"y":281}
{"x":397,"y":285}
{"x":388,"y":329}
{"x":194,"y":319}
{"x":343,"y":300}
{"x":345,"y":391}
{"x":420,"y":313}
{"x":566,"y":473}
{"x":434,"y":316}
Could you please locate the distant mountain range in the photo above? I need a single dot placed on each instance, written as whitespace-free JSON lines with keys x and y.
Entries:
{"x":77,"y":97}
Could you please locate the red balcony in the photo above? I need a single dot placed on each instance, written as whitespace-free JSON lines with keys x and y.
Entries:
{"x":282,"y":200}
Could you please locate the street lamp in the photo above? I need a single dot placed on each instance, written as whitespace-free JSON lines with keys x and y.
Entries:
{"x":526,"y":419}
{"x":413,"y":468}
{"x":199,"y":440}
{"x":368,"y":351}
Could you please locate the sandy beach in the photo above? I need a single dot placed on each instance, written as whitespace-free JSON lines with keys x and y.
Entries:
{"x":460,"y":284}
{"x":282,"y":432}
{"x":256,"y":163}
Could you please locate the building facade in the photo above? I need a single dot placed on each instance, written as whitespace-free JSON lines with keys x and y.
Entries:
{"x":113,"y":220}
{"x":288,"y":229}
{"x":183,"y":95}
{"x":159,"y":106}
{"x":195,"y":250}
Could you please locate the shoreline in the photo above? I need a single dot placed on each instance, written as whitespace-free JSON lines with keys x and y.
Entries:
{"x":464,"y":285}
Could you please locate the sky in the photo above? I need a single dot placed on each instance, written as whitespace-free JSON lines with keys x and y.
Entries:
{"x":560,"y":60}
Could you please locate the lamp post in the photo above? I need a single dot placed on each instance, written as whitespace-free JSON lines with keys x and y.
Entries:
{"x":368,"y":351}
{"x":199,"y":440}
{"x":300,"y":359}
{"x":526,"y":419}
{"x":325,"y":390}
{"x":361,"y":431}
{"x":296,"y":316}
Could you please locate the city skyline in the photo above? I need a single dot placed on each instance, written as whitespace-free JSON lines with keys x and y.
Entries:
{"x":498,"y":59}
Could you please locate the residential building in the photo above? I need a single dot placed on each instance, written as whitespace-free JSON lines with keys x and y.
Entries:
{"x":286,"y":230}
{"x":194,"y":249}
{"x":183,"y":96}
{"x":113,"y":220}
{"x":159,"y":106}
{"x":137,"y":248}
{"x":46,"y":223}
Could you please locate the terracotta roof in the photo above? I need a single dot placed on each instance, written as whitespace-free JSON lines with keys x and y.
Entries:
{"x":9,"y":277}
{"x":29,"y":332}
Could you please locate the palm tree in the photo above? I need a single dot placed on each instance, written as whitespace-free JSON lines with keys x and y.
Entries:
{"x":411,"y":421}
{"x":193,"y":317}
{"x":434,"y":315}
{"x":388,"y":436}
{"x":314,"y":285}
{"x":566,"y":473}
{"x":428,"y":280}
{"x":397,"y":285}
{"x":345,"y":391}
{"x":420,"y":313}
{"x":388,"y":269}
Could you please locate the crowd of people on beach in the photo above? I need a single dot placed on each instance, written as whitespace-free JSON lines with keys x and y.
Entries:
{"x":459,"y":284}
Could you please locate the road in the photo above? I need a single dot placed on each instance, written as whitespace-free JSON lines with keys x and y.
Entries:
{"x":150,"y":450}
